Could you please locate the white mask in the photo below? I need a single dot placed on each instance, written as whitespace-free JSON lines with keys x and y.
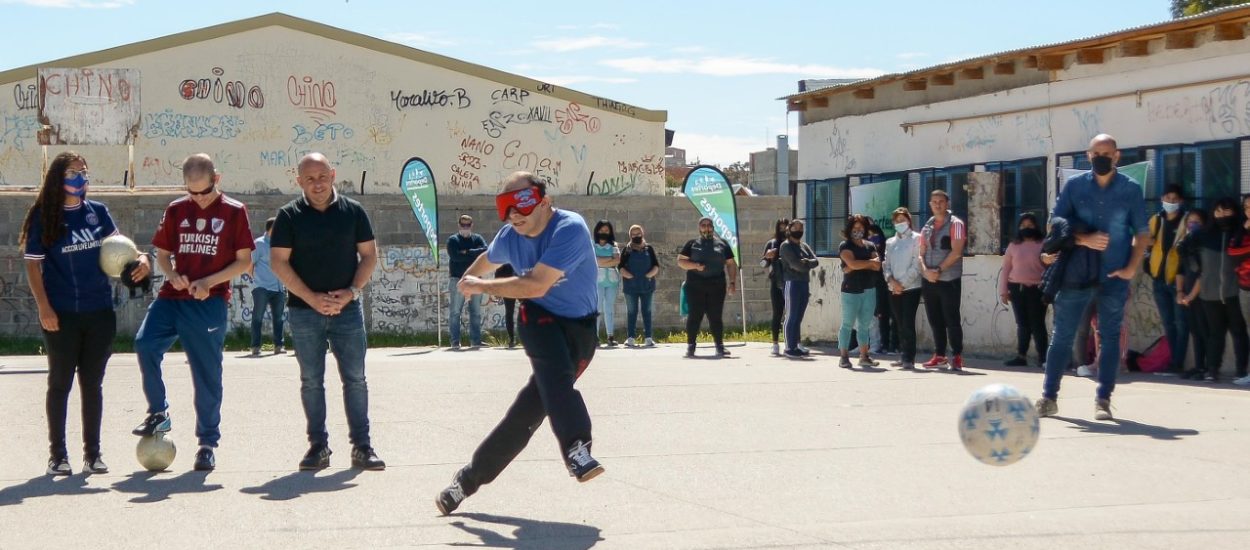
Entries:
{"x":901,"y":227}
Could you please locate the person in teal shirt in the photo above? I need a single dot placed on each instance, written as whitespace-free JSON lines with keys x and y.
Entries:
{"x":608,"y":283}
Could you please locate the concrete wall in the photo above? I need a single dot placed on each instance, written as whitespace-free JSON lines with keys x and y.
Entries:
{"x":401,"y":297}
{"x":258,"y":100}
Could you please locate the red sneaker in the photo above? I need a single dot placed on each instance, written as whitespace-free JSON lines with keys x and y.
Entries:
{"x":934,"y":362}
{"x":957,"y":363}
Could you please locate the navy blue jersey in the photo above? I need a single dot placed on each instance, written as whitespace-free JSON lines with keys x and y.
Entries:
{"x":72,"y":276}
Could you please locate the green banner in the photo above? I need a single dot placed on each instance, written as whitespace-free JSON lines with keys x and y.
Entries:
{"x":877,"y":201}
{"x":1140,"y":172}
{"x":713,"y":196}
{"x":417,"y":183}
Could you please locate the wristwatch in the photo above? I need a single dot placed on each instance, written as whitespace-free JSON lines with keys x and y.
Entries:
{"x":357,"y":293}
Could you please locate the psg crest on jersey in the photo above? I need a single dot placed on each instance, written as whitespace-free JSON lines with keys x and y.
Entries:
{"x":92,"y":219}
{"x":218,"y":225}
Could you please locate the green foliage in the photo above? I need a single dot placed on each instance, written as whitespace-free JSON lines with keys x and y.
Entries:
{"x":1185,"y":8}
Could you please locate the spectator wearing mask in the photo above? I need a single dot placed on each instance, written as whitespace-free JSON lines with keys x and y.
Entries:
{"x":1020,"y":284}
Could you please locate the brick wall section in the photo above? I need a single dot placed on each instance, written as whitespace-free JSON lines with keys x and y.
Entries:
{"x":670,"y":222}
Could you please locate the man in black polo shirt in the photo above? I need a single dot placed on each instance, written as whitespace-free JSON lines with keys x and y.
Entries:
{"x":323,"y":250}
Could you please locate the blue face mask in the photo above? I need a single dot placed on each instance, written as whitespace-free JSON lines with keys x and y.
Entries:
{"x":1171,"y":207}
{"x":76,"y":186}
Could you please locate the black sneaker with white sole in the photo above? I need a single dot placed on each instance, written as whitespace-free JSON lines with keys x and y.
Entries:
{"x":59,"y":466}
{"x":450,"y":498}
{"x":94,"y":464}
{"x":581,"y":465}
{"x":204,"y":460}
{"x":154,"y":423}
{"x":364,"y":458}
{"x":317,"y":458}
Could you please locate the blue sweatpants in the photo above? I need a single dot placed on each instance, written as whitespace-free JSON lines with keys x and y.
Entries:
{"x":201,"y":328}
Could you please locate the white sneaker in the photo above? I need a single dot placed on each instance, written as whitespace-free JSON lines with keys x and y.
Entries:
{"x":1086,"y":370}
{"x":649,"y":343}
{"x":1243,"y":381}
{"x":776,"y":349}
{"x":629,"y":342}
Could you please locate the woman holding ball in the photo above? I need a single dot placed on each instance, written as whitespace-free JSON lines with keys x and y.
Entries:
{"x":61,"y":243}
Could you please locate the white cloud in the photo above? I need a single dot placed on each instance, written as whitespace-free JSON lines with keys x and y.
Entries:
{"x":577,"y":79}
{"x":419,"y":40}
{"x":717,"y":149}
{"x":107,"y":4}
{"x":735,"y":66}
{"x":585,"y":43}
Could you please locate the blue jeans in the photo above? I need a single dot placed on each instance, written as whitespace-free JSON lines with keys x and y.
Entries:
{"x":607,"y":308}
{"x":1069,"y":306}
{"x":633,"y":304}
{"x":475,"y":315}
{"x":275,"y":302}
{"x":797,"y":294}
{"x":1175,"y":326}
{"x":857,"y":312}
{"x":200,"y":325}
{"x":345,"y":334}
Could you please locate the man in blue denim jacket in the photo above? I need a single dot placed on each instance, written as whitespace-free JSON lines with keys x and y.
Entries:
{"x":1111,"y":207}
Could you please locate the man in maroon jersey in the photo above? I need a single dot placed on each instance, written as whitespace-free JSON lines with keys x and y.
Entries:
{"x":207,"y":237}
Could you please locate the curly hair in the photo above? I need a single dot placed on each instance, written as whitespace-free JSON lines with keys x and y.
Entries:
{"x":850,"y":224}
{"x":48,"y":204}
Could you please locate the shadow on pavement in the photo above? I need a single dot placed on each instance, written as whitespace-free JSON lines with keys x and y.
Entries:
{"x":422,"y":352}
{"x":153,"y":489}
{"x":528,"y":533}
{"x":298,"y":484}
{"x":44,"y":486}
{"x":1128,"y":427}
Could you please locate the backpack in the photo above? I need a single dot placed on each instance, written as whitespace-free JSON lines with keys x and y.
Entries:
{"x":1154,"y":359}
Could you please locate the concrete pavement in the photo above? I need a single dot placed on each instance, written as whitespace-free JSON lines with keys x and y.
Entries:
{"x":748,"y":452}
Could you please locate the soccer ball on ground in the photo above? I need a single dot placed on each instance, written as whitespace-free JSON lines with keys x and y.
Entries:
{"x":156,"y":452}
{"x":998,"y":425}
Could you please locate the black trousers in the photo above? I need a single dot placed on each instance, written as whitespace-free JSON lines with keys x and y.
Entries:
{"x":1224,"y":317}
{"x":904,"y":307}
{"x":83,"y":346}
{"x":559,"y":349}
{"x":509,"y":321}
{"x":1198,"y":331}
{"x":705,"y":298}
{"x":1030,"y":312}
{"x":778,"y":297}
{"x":941,"y":306}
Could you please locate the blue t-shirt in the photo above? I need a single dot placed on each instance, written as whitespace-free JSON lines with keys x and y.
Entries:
{"x":1119,"y":211}
{"x":72,"y":276}
{"x":564,"y":245}
{"x":265,"y":277}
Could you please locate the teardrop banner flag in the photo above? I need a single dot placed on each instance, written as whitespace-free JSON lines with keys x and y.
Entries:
{"x":713,"y":196}
{"x":417,"y":183}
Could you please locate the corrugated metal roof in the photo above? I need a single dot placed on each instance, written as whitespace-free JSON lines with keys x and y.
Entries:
{"x":1218,"y":13}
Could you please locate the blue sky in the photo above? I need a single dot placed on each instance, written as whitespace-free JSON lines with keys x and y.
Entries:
{"x":716,"y":67}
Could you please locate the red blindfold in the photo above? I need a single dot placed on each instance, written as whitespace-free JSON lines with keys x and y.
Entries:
{"x":523,"y":200}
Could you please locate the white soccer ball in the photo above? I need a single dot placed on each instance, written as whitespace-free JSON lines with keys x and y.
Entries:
{"x":115,"y":252}
{"x":998,"y":425}
{"x":156,"y":452}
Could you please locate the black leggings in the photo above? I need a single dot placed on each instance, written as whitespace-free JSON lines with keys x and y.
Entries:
{"x":509,"y":307}
{"x":778,"y":297}
{"x":83,"y":346}
{"x":559,"y":350}
{"x":705,"y":298}
{"x":1224,"y":317}
{"x":1030,"y":313}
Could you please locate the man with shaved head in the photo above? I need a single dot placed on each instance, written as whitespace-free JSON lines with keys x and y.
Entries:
{"x":1107,"y":212}
{"x":202,"y":243}
{"x":556,"y":272}
{"x":323,"y":250}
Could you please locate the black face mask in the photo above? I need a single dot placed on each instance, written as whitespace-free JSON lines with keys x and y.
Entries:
{"x":1102,"y":165}
{"x":797,"y":234}
{"x":635,"y":240}
{"x":1226,"y":223}
{"x":1031,"y":233}
{"x":603,"y":238}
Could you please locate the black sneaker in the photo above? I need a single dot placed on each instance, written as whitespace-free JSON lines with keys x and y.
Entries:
{"x":612,"y":341}
{"x":581,"y":465}
{"x":722,"y":352}
{"x":793,"y":353}
{"x":154,"y":423}
{"x":689,"y":351}
{"x":204,"y":460}
{"x":1210,"y":377}
{"x":1193,"y":374}
{"x":317,"y":458}
{"x":1017,"y":361}
{"x":59,"y":466}
{"x":94,"y":464}
{"x":450,"y":498}
{"x":364,"y":458}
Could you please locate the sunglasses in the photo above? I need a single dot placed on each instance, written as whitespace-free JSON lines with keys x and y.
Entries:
{"x":210,"y":189}
{"x":71,"y":174}
{"x":523,"y":200}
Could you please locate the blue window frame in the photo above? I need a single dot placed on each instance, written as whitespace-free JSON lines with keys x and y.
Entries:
{"x":826,"y":213}
{"x":1024,"y":190}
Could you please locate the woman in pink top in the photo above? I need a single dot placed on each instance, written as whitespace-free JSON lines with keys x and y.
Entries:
{"x":1020,"y":284}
